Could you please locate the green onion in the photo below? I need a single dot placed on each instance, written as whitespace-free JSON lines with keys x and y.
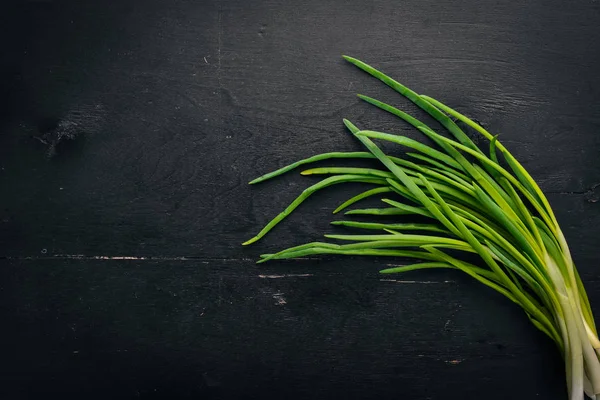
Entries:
{"x":470,"y":203}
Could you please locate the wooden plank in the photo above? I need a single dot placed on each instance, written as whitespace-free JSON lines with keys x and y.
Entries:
{"x":129,"y":129}
{"x":228,"y":329}
{"x":152,"y":145}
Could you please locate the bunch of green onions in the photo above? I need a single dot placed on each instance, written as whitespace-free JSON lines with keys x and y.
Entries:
{"x":473,"y":202}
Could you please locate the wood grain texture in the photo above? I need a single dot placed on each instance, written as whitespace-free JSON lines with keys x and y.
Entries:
{"x":131,"y":129}
{"x":220,"y":329}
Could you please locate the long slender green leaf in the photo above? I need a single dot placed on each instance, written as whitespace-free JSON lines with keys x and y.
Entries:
{"x":455,"y":177}
{"x":409,"y":209}
{"x":309,"y":160}
{"x":348,"y":170}
{"x":523,"y":176}
{"x":400,"y":226}
{"x":361,"y":196}
{"x":378,"y":211}
{"x":493,"y":155}
{"x":267,"y":257}
{"x":369,"y":251}
{"x":416,"y":99}
{"x":413,"y":144}
{"x":439,"y":165}
{"x":414,"y":122}
{"x":333,"y":180}
{"x":418,"y":239}
{"x":416,"y":267}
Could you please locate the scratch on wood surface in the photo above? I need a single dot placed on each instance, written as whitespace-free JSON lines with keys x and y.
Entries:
{"x":589,"y":193}
{"x":418,"y":282}
{"x":283,"y":276}
{"x":219,"y":83}
{"x":219,"y":43}
{"x":81,"y":257}
{"x":203,"y":260}
{"x":280,"y":299}
{"x":190,"y":99}
{"x":454,"y":362}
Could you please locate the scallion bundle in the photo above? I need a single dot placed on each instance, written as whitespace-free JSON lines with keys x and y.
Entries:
{"x":470,"y":201}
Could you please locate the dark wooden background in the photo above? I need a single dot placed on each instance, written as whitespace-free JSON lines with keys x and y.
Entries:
{"x":128,"y":131}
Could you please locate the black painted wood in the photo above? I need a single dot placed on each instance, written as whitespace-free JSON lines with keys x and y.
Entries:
{"x":129,"y":129}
